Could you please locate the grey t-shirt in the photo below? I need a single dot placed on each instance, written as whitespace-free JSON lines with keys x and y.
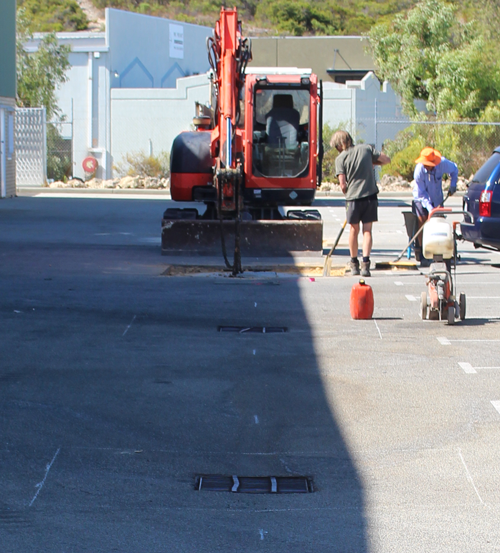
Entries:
{"x":356,"y":163}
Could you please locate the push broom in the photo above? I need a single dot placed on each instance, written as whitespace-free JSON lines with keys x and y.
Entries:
{"x":327,"y":267}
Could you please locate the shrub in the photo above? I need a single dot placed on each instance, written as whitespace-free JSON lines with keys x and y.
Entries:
{"x":468,"y":145}
{"x":144,"y":165}
{"x":59,"y":165}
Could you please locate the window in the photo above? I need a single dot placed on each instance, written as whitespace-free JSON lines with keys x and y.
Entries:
{"x":281,"y":132}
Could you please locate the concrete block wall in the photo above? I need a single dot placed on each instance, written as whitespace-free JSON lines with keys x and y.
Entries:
{"x":372,"y":111}
{"x":149,"y":119}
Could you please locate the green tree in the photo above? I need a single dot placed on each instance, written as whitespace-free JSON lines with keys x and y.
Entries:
{"x":429,"y":54}
{"x":39,"y":73}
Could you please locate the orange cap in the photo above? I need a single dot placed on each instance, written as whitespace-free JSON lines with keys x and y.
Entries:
{"x":429,"y":156}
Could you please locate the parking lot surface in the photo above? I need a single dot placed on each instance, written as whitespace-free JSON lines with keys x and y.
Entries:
{"x":118,"y":391}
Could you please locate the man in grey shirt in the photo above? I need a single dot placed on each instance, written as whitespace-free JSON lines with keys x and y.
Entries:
{"x":354,"y":169}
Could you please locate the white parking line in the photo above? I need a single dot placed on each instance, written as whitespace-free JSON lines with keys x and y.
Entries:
{"x":496,"y":405}
{"x":446,"y":342}
{"x":410,"y":298}
{"x":398,"y":283}
{"x":468,"y":368}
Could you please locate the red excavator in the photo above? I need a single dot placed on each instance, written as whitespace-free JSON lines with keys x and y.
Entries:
{"x":255,"y":150}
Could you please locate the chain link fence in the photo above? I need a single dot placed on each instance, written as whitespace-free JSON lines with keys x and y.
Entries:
{"x":59,"y":150}
{"x":468,"y":144}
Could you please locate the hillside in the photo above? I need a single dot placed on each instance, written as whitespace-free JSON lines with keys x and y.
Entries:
{"x":95,"y":16}
{"x":260,"y":17}
{"x":265,"y":17}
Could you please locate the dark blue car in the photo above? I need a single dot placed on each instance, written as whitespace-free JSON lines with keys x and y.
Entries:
{"x":482,"y":201}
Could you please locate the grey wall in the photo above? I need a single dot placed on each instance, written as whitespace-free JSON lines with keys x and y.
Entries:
{"x":319,"y":53}
{"x":8,"y":48}
{"x":370,"y":112}
{"x":7,"y":96}
{"x":141,"y":52}
{"x":144,"y":119}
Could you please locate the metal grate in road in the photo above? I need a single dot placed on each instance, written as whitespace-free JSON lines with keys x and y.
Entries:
{"x":254,"y":484}
{"x":253,"y":329}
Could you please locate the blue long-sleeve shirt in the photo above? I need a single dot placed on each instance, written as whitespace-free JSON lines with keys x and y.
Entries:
{"x":428,"y":187}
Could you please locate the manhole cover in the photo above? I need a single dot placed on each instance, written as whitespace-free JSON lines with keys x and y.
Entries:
{"x":254,"y":484}
{"x":254,"y":329}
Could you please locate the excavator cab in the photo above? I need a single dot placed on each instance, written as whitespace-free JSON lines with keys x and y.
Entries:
{"x":281,"y":143}
{"x":281,"y":118}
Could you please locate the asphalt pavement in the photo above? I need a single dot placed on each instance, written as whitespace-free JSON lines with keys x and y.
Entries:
{"x":119,"y":390}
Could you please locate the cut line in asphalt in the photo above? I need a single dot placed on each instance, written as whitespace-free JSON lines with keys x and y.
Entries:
{"x":469,"y":476}
{"x":103,"y":196}
{"x":47,"y":469}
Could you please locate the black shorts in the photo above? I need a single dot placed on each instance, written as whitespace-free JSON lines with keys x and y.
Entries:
{"x":419,"y":210}
{"x":363,"y":210}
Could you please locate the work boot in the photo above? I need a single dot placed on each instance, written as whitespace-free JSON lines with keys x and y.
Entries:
{"x":365,"y":269}
{"x":354,"y":267}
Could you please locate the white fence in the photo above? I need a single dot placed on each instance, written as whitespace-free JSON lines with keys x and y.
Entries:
{"x":31,"y":150}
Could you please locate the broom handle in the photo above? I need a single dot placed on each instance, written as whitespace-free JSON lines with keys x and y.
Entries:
{"x":410,"y":243}
{"x":337,"y":240}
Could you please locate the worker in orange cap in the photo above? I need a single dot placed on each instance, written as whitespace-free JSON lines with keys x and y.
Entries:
{"x":428,"y":188}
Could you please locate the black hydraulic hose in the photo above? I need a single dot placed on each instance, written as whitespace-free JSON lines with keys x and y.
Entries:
{"x":237,"y":251}
{"x":222,"y":238}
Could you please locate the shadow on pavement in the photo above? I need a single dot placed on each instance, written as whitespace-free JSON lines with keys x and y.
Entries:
{"x":117,"y":390}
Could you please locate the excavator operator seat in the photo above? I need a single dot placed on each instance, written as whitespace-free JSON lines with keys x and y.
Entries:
{"x":282,"y":122}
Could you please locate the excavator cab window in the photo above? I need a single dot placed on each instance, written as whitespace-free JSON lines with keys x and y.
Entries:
{"x":280,"y":132}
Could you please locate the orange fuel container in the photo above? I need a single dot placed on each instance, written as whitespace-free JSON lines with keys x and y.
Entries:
{"x":361,"y":301}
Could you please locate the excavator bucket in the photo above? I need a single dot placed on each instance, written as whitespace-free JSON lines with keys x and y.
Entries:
{"x":257,"y":238}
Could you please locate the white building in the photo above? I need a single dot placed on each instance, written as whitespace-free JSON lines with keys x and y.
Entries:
{"x":133,"y":87}
{"x":136,"y":52}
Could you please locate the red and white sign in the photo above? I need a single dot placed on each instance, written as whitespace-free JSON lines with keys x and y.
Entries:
{"x":89,"y":164}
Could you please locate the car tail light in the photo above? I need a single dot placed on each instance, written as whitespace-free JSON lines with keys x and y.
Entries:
{"x":485,"y":203}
